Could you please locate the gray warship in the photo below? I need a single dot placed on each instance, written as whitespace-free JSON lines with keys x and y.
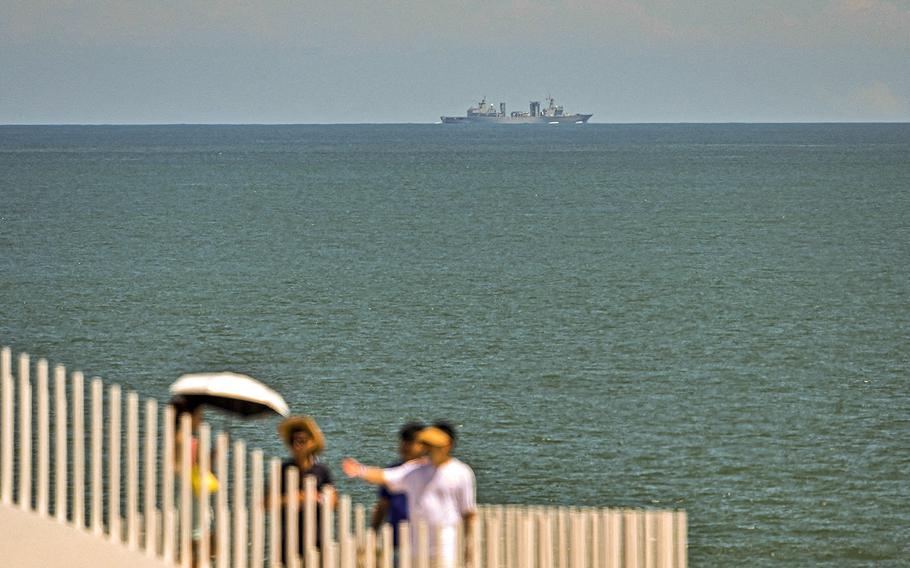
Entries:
{"x":485,"y":112}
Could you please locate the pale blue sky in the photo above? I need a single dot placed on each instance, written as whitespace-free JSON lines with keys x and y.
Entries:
{"x":286,"y":61}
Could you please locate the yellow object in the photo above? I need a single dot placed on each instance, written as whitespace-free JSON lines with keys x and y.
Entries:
{"x":210,"y":480}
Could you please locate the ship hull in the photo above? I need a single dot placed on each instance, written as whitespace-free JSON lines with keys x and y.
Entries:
{"x":567,"y":119}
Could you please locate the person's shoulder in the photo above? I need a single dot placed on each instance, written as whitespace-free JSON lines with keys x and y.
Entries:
{"x":459,"y":467}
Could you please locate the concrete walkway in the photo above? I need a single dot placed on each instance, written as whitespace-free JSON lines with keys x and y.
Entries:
{"x":28,"y":541}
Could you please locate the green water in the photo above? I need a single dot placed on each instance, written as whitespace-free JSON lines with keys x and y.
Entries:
{"x":708,"y":317}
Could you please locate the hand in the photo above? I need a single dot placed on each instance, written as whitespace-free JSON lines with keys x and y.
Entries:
{"x":352,"y":467}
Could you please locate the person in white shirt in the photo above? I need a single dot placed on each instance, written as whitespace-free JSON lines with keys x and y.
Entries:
{"x":440,"y":489}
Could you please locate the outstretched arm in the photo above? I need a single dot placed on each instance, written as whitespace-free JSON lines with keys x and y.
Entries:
{"x":353,"y":468}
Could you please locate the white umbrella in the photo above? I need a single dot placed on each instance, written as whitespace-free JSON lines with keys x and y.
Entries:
{"x":233,"y":392}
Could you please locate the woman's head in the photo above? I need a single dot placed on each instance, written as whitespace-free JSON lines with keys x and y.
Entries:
{"x":302,"y":436}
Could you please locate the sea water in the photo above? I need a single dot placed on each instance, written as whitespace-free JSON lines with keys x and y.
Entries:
{"x":707,"y":317}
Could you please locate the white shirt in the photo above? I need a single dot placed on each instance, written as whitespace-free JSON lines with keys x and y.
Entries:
{"x":440,"y":497}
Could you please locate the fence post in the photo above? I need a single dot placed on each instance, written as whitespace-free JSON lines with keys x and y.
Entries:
{"x":369,"y":553}
{"x":151,"y":478}
{"x":292,"y":492}
{"x":275,"y":543}
{"x":113,"y":484}
{"x":347,"y":552}
{"x":405,"y":546}
{"x":239,"y":505}
{"x":492,"y":524}
{"x":222,"y":514}
{"x":386,"y":532}
{"x":25,"y":434}
{"x":78,"y":450}
{"x":257,"y":551}
{"x":97,"y":441}
{"x":545,"y":539}
{"x":309,"y":517}
{"x":327,"y":539}
{"x":203,"y":469}
{"x":60,"y":444}
{"x":6,"y":428}
{"x":682,"y":545}
{"x":186,"y":491}
{"x":612,"y":528}
{"x":44,"y":456}
{"x":168,"y":471}
{"x":132,"y":470}
{"x":632,"y":544}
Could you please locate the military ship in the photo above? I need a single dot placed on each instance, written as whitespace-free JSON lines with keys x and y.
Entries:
{"x":486,"y":113}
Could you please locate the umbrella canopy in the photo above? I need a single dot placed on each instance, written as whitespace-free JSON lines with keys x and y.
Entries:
{"x":232,"y":392}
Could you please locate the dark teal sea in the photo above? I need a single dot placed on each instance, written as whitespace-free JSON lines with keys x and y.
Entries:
{"x":708,"y":317}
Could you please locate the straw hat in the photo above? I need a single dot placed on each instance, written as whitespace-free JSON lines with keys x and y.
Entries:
{"x":305,"y":423}
{"x":433,"y":436}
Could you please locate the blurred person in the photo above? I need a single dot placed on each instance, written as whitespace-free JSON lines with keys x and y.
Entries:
{"x":305,"y":442}
{"x":183,"y":405}
{"x":393,"y":507}
{"x":440,"y":490}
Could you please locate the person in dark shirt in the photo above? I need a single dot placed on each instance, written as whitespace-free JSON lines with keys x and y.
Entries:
{"x":393,"y":507}
{"x":305,"y":442}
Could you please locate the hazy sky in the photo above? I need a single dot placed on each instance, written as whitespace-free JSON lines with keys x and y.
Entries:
{"x":303,"y":61}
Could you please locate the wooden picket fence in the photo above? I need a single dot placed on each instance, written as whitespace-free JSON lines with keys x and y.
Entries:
{"x":145,"y":500}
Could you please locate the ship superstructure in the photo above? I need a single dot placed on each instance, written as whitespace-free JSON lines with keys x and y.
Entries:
{"x":486,"y":112}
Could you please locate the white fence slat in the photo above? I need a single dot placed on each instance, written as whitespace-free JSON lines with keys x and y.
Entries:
{"x":347,"y":554}
{"x":682,"y":544}
{"x":113,"y":452}
{"x":577,"y":527}
{"x":405,"y":546}
{"x":97,"y":441}
{"x":665,"y":533}
{"x":508,"y":535}
{"x":493,"y":538}
{"x":78,"y":390}
{"x":562,"y":542}
{"x":423,"y":545}
{"x":612,"y":541}
{"x":460,"y":545}
{"x":239,"y":506}
{"x":204,"y":459}
{"x":44,"y":440}
{"x":326,"y":524}
{"x":168,"y":473}
{"x":275,"y":543}
{"x":632,"y":543}
{"x":369,"y":550}
{"x":61,"y":507}
{"x":151,"y":478}
{"x":25,"y":434}
{"x":132,"y":470}
{"x":222,"y":513}
{"x":257,"y":533}
{"x":292,"y":486}
{"x":309,"y":515}
{"x":185,"y":434}
{"x":650,"y":539}
{"x":387,"y":546}
{"x":522,"y":540}
{"x":359,"y":527}
{"x":6,"y":428}
{"x":544,"y":539}
{"x":594,"y":538}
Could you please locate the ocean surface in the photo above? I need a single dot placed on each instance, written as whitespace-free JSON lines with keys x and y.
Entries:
{"x":707,"y":317}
